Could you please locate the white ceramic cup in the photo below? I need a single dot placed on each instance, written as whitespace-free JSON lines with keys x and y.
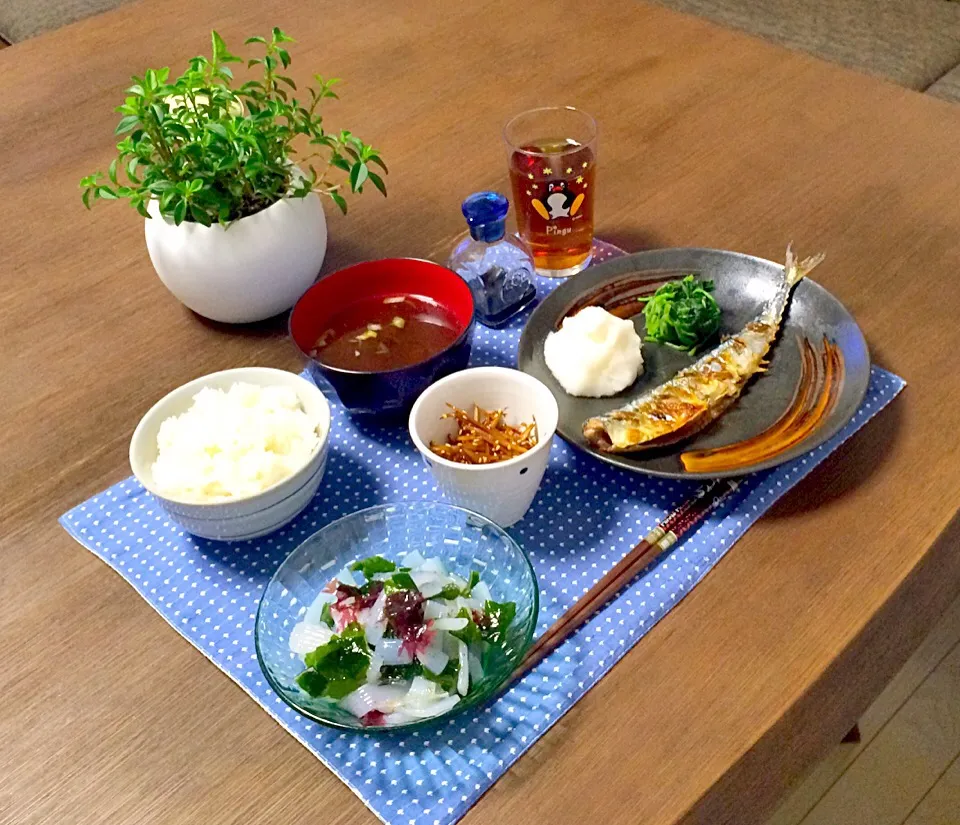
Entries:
{"x":503,"y":492}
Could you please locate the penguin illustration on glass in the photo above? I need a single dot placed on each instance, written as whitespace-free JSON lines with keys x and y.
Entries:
{"x":553,"y":162}
{"x":558,"y":201}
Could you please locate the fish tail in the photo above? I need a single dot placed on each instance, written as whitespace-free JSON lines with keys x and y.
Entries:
{"x":796,"y":272}
{"x":793,"y":273}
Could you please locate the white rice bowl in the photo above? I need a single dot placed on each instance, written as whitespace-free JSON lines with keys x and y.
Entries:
{"x":234,"y":443}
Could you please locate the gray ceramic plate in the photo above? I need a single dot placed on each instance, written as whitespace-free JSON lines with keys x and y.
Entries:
{"x":742,"y":285}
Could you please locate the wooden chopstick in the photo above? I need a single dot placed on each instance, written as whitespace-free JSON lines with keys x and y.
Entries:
{"x":639,"y":553}
{"x":687,"y":516}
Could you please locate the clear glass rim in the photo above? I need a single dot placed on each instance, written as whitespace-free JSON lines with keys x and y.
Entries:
{"x":589,"y":119}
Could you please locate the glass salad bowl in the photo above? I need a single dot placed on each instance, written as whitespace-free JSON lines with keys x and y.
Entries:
{"x":453,"y":539}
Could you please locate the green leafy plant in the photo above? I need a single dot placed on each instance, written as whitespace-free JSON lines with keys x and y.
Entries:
{"x":682,"y":314}
{"x":211,"y":153}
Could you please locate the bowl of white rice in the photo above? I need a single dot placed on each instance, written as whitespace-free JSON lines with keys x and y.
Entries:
{"x":236,"y":454}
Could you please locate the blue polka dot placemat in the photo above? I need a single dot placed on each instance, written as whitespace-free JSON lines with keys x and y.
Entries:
{"x":586,"y":517}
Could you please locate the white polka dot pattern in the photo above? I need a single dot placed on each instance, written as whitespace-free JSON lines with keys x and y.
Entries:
{"x":586,"y":517}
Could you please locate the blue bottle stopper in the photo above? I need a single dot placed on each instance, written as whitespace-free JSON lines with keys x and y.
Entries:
{"x":486,"y":214}
{"x":498,"y":268}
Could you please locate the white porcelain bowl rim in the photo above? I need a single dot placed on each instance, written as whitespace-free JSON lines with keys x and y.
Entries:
{"x":543,"y":438}
{"x":203,"y":381}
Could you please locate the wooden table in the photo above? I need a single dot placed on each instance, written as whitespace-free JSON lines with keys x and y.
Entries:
{"x":708,"y":138}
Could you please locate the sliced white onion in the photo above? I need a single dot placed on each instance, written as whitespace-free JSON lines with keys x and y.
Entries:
{"x":450,"y":646}
{"x":422,"y":692}
{"x":471,"y":604}
{"x":434,"y":708}
{"x":433,"y":565}
{"x":459,"y":581}
{"x":436,"y":609}
{"x":393,"y":652}
{"x":374,"y":633}
{"x":450,"y":623}
{"x":420,"y":578}
{"x":476,"y":669}
{"x":434,"y":660}
{"x":346,"y":577}
{"x":372,"y":620}
{"x":432,"y":656}
{"x":312,"y":616}
{"x":481,"y":593}
{"x":412,"y":560}
{"x":385,"y":698}
{"x":431,"y":588}
{"x":463,"y":675}
{"x":373,"y":670}
{"x":307,"y":637}
{"x":398,"y":717}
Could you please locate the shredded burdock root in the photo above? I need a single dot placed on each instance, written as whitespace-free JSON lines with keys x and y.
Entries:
{"x":484,"y":437}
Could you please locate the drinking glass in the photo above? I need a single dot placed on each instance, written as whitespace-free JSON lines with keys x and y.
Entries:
{"x":553,"y":165}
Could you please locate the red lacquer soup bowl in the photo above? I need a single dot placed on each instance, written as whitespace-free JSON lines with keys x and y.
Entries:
{"x":382,"y":331}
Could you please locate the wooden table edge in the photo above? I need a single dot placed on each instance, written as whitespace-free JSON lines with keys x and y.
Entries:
{"x":831,"y":705}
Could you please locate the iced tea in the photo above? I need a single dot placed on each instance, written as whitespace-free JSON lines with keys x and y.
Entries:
{"x":553,"y":167}
{"x":553,"y":182}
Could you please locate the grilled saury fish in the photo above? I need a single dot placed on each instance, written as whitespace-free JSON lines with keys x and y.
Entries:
{"x":699,"y":394}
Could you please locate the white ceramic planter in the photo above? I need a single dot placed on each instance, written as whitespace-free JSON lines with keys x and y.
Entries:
{"x":254,"y":268}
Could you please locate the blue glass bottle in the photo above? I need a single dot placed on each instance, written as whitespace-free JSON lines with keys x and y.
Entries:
{"x":498,"y":268}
